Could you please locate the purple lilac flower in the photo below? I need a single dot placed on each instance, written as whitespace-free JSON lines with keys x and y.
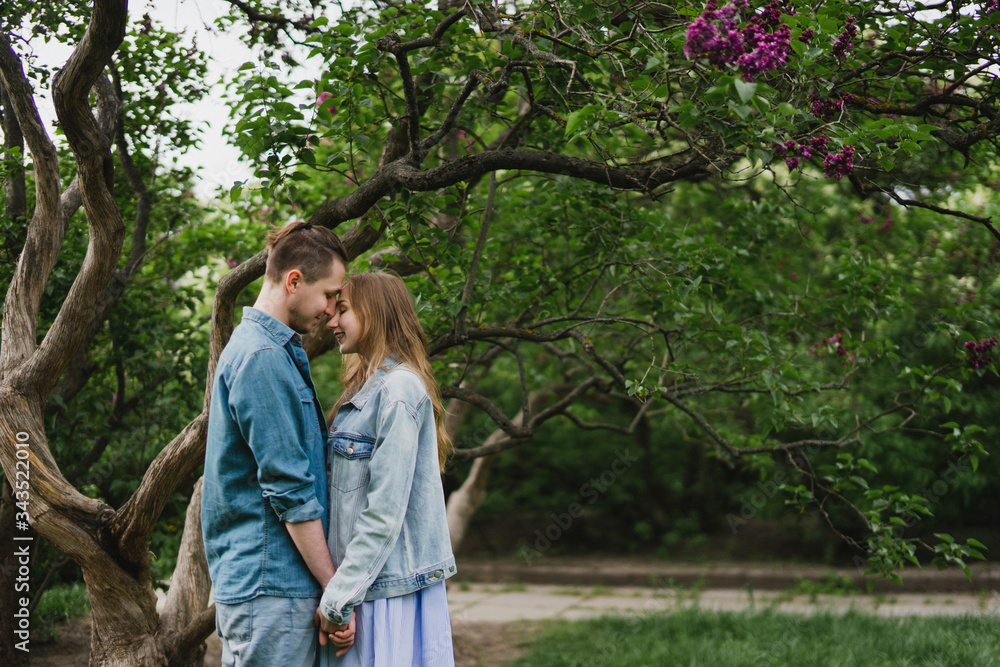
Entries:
{"x":765,"y":51}
{"x":771,"y":15}
{"x":714,"y":34}
{"x":819,"y":143}
{"x":761,"y":46}
{"x":981,"y":353}
{"x":807,"y":35}
{"x":793,"y":152}
{"x":845,"y":41}
{"x":839,"y":164}
{"x":992,"y":6}
{"x":827,"y":109}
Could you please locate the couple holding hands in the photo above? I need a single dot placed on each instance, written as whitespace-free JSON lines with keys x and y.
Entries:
{"x":327,"y":547}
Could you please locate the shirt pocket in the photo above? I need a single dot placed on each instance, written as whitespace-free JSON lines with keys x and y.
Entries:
{"x":310,"y":423}
{"x":352,"y":455}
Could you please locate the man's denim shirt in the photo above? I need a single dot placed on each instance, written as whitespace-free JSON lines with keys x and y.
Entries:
{"x":390,"y":536}
{"x":265,"y":463}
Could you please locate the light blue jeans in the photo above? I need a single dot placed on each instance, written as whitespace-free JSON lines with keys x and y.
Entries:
{"x":267,"y":631}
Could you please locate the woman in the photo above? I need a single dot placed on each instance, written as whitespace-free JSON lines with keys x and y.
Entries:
{"x":388,"y":530}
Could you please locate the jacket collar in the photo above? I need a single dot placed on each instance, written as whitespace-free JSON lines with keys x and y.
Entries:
{"x":281,"y":332}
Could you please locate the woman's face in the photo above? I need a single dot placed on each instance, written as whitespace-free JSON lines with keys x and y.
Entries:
{"x":345,"y":324}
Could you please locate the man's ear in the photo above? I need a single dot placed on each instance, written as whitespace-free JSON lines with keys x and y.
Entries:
{"x":292,"y":280}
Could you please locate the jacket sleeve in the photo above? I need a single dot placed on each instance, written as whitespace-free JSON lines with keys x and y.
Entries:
{"x":391,"y":471}
{"x":266,"y":404}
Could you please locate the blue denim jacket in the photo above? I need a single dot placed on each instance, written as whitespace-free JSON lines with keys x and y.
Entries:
{"x":265,"y":463}
{"x":390,"y":536}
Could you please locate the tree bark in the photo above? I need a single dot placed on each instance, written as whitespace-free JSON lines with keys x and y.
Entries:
{"x":466,"y":499}
{"x":188,"y":598}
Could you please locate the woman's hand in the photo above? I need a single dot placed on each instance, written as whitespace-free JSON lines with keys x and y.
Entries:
{"x":341,"y":636}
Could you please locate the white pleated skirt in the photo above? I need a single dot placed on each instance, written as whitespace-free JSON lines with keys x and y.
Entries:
{"x":407,"y":631}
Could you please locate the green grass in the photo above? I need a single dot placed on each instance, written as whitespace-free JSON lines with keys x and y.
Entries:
{"x":695,"y":638}
{"x":58,"y":604}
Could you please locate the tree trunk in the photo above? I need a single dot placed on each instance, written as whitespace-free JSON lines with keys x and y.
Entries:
{"x":188,"y":601}
{"x":125,"y":625}
{"x":124,"y":619}
{"x":466,"y":499}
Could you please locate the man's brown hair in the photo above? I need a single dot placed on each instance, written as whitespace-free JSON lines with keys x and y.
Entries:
{"x":300,"y":245}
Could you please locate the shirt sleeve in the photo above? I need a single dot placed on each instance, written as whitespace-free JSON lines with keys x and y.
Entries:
{"x":266,"y":404}
{"x":391,"y":471}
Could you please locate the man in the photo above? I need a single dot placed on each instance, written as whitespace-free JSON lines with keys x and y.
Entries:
{"x":264,"y":498}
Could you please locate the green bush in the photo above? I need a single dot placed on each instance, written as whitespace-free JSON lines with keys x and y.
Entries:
{"x":58,"y":605}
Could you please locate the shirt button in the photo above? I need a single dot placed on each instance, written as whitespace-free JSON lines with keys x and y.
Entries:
{"x":350,"y":450}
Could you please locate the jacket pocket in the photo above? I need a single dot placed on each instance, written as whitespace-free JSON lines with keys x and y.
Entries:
{"x":351,"y":455}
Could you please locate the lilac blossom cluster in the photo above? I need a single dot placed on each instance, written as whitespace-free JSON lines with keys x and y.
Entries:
{"x":794,"y":152}
{"x":826,"y":109}
{"x":715,"y":34}
{"x":981,"y":353}
{"x":762,"y":45}
{"x":845,"y":41}
{"x":839,"y":164}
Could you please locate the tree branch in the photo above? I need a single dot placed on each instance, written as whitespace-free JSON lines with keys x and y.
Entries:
{"x":703,"y":423}
{"x":200,"y":629}
{"x":495,"y":413}
{"x":396,"y":46}
{"x":642,"y":177}
{"x":477,"y":254}
{"x":91,"y":147}
{"x":45,"y":232}
{"x":475,"y":76}
{"x":391,"y":44}
{"x":986,"y":222}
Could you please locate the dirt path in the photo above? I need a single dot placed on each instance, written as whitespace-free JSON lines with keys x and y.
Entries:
{"x":476,"y":645}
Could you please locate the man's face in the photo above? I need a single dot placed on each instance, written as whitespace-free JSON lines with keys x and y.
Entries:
{"x":308,"y":302}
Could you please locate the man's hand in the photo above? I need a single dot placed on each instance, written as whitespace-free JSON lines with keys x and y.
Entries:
{"x":340,"y":635}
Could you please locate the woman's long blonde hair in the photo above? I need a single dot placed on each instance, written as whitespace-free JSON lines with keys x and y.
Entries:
{"x":389,"y":326}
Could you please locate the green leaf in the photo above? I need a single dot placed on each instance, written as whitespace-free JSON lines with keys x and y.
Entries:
{"x":745,"y":89}
{"x":576,"y":119}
